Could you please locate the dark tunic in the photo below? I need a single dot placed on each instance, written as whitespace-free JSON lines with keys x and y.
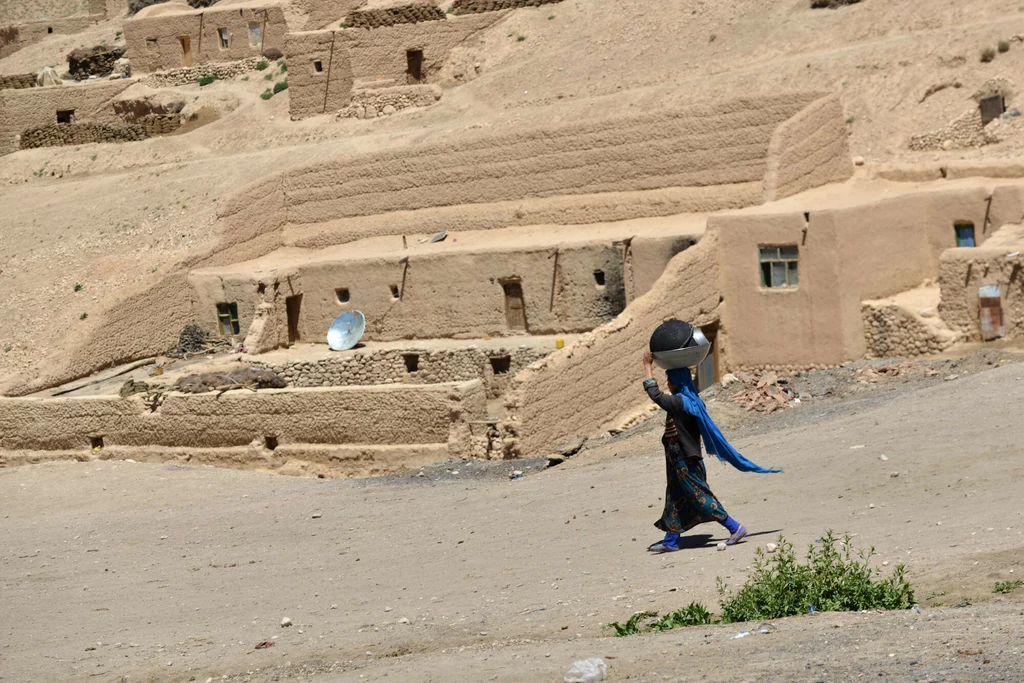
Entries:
{"x":688,"y":498}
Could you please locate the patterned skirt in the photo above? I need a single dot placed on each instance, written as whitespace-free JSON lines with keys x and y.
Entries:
{"x":688,"y":498}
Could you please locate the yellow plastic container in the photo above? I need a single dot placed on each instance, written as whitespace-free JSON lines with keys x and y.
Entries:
{"x":559,"y":343}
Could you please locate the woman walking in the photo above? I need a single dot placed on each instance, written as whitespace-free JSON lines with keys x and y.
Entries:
{"x":688,"y":498}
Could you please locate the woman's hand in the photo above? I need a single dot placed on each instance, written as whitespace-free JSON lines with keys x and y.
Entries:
{"x":649,"y":364}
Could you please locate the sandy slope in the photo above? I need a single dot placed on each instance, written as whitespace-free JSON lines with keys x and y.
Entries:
{"x":170,"y":572}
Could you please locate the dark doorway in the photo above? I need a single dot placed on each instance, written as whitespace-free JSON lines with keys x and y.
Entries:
{"x":65,"y":116}
{"x":991,"y":108}
{"x":515,"y":309}
{"x":990,"y":312}
{"x":186,"y":50}
{"x":414,"y":64}
{"x":500,"y":365}
{"x":412,"y":362}
{"x":293,"y":304}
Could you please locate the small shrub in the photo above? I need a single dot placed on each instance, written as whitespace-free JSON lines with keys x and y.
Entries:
{"x":280,"y":85}
{"x":245,"y":78}
{"x":694,"y":614}
{"x":83,"y":316}
{"x":1007,"y":586}
{"x":78,"y":288}
{"x":832,"y":580}
{"x":988,"y":54}
{"x":268,"y":77}
{"x":267,"y":94}
{"x":632,"y":625}
{"x":850,"y":120}
{"x":1004,"y":46}
{"x":261,"y":65}
{"x":520,"y":39}
{"x":283,"y":65}
{"x":7,"y":349}
{"x":207,"y":80}
{"x":551,"y":17}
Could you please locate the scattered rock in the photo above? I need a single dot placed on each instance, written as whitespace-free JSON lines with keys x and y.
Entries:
{"x":882,"y":457}
{"x":858,"y":161}
{"x":771,"y":547}
{"x":894,"y":475}
{"x":403,"y":620}
{"x":721,"y":546}
{"x":286,"y":622}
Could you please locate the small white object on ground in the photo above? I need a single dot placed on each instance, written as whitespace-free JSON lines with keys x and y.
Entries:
{"x":740,"y":635}
{"x":882,"y":457}
{"x":894,"y":475}
{"x":403,"y":620}
{"x":721,"y":546}
{"x":586,"y":671}
{"x":853,"y":448}
{"x":771,"y":547}
{"x":286,"y":622}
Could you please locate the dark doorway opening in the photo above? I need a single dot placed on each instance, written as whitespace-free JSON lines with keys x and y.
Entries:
{"x":343,"y":295}
{"x":515,"y":308}
{"x":96,"y":442}
{"x":293,"y":304}
{"x":991,"y":108}
{"x":270,"y":443}
{"x":414,"y":64}
{"x":501,"y":364}
{"x":65,"y":116}
{"x":412,"y":362}
{"x":599,"y":278}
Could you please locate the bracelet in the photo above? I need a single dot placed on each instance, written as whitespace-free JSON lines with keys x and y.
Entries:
{"x":650,"y":383}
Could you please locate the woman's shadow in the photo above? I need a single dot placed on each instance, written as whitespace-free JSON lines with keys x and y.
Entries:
{"x":705,"y":540}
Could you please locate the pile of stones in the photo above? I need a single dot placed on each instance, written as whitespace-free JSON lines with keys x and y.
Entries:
{"x":96,"y":61}
{"x":962,"y":132}
{"x":191,"y":74}
{"x":368,"y":104}
{"x":18,"y":81}
{"x":407,"y":14}
{"x":57,"y":134}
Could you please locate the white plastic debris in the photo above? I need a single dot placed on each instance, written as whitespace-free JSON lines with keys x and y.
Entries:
{"x":586,"y":671}
{"x":744,"y":634}
{"x":771,"y":547}
{"x":721,"y":546}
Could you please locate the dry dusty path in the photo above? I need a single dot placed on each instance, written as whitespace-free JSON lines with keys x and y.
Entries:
{"x":171,"y":573}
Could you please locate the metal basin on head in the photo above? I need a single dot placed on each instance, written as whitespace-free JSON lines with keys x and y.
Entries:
{"x":686,"y":357}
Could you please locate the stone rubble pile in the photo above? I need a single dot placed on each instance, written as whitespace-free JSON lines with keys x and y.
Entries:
{"x":96,"y":61}
{"x":17,"y":81}
{"x":765,"y":394}
{"x":368,"y":104}
{"x":962,"y":132}
{"x":191,"y":74}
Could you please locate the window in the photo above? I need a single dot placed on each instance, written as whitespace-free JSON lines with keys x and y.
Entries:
{"x":343,"y":295}
{"x":501,"y":364}
{"x":778,"y":267}
{"x":255,"y":35}
{"x":65,"y":115}
{"x":150,"y":42}
{"x":49,"y":29}
{"x":394,"y":291}
{"x":412,"y":362}
{"x":599,"y":278}
{"x":318,"y":67}
{"x":227,"y":316}
{"x":223,"y":34}
{"x":964,"y":234}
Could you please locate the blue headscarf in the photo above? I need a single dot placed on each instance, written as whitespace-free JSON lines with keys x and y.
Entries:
{"x":714,"y":442}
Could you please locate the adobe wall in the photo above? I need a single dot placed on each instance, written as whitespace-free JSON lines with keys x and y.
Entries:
{"x":867,"y":251}
{"x":202,"y":28}
{"x":720,"y":144}
{"x":56,"y":134}
{"x":594,"y":384}
{"x":355,"y":54}
{"x":322,"y":14}
{"x":365,"y":367}
{"x":809,"y":150}
{"x":964,"y":270}
{"x":305,"y":422}
{"x":456,"y":295}
{"x":17,"y":81}
{"x":34,"y":107}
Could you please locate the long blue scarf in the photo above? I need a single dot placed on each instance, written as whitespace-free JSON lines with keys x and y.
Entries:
{"x":714,"y":442}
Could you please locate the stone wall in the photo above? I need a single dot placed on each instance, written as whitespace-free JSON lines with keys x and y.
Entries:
{"x":323,"y":429}
{"x":964,"y":270}
{"x":963,"y":132}
{"x":186,"y":76}
{"x":406,"y":14}
{"x":37,"y":107}
{"x":892,"y":331}
{"x":57,"y":134}
{"x":96,"y":61}
{"x":18,"y":81}
{"x":368,"y":104}
{"x":478,"y":6}
{"x":433,"y":366}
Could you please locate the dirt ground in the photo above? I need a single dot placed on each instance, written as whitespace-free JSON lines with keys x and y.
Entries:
{"x":121,"y":571}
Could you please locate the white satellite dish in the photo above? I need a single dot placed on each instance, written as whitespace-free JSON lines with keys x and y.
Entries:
{"x":346,"y":331}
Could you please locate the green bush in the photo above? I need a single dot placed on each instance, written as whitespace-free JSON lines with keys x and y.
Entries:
{"x":83,"y":316}
{"x":207,"y":80}
{"x":834,"y":579}
{"x":268,"y":77}
{"x":78,"y":288}
{"x":1004,"y":46}
{"x":262,"y":64}
{"x":988,"y":54}
{"x":694,"y":614}
{"x":280,"y":85}
{"x":283,"y":64}
{"x":267,"y":94}
{"x":1007,"y":586}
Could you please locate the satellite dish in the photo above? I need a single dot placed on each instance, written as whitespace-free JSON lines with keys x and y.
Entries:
{"x":346,"y":331}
